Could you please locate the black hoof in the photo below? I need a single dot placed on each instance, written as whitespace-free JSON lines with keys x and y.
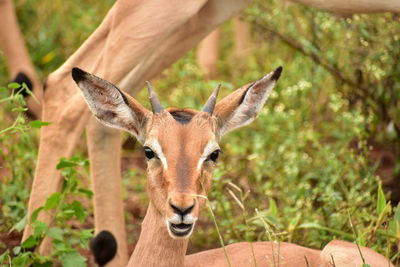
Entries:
{"x":103,"y":247}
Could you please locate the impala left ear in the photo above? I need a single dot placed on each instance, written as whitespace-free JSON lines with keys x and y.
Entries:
{"x":243,"y":105}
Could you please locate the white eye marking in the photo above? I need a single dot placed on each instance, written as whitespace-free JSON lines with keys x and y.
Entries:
{"x":153,"y":144}
{"x":208,"y":149}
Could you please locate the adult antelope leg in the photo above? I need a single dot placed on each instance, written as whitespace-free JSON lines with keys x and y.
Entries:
{"x":59,"y":139}
{"x":211,"y":15}
{"x":208,"y":53}
{"x":208,"y":50}
{"x":355,"y":6}
{"x":184,"y":38}
{"x":66,"y":109}
{"x":20,"y":67}
{"x":106,"y":182}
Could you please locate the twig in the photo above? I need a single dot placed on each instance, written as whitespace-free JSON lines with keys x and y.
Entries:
{"x":317,"y":59}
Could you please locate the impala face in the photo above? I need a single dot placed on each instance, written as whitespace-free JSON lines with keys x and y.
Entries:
{"x":181,"y":152}
{"x":181,"y":145}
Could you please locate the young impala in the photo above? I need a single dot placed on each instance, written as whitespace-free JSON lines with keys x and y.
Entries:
{"x":181,"y":146}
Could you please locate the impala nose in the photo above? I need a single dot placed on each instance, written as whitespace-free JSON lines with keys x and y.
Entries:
{"x":182,"y":211}
{"x":182,"y":223}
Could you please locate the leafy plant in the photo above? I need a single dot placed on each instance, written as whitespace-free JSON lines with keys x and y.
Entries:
{"x":304,"y":170}
{"x":66,"y":241}
{"x":66,"y":204}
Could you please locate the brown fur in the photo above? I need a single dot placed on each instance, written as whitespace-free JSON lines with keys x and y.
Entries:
{"x":156,"y":248}
{"x":127,"y":48}
{"x":208,"y":53}
{"x":345,"y":7}
{"x":16,"y":54}
{"x":182,"y":147}
{"x":177,"y":181}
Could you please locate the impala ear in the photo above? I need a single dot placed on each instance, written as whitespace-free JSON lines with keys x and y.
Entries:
{"x":242,"y":106}
{"x":110,"y":105}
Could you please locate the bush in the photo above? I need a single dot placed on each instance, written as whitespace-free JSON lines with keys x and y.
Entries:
{"x":302,"y":172}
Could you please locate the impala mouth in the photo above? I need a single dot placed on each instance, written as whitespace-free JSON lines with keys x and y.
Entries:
{"x":180,"y":230}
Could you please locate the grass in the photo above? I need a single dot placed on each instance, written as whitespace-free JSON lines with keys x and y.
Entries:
{"x":297,"y":174}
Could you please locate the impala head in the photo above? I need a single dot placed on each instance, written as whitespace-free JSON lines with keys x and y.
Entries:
{"x":181,"y":145}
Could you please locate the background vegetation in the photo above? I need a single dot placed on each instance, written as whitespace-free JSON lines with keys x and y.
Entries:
{"x":307,"y":171}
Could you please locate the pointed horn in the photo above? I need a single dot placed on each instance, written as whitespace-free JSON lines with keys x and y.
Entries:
{"x":210,"y":104}
{"x":155,"y":103}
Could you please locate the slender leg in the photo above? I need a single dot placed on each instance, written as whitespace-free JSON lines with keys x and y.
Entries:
{"x":134,"y":35}
{"x":344,"y":7}
{"x":67,"y":111}
{"x":16,"y":54}
{"x":106,"y":181}
{"x":242,"y":38}
{"x":112,"y":45}
{"x":209,"y":17}
{"x":64,"y":137}
{"x":208,"y":53}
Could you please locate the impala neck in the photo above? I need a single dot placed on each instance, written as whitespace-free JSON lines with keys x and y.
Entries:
{"x":155,"y":247}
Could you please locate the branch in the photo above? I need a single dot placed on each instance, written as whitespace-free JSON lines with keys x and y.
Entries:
{"x":362,"y":90}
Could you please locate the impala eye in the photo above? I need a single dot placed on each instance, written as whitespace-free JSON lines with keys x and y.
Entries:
{"x":214,"y":156}
{"x":148,"y":152}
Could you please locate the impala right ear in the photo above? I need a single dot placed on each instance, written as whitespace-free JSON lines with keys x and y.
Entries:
{"x":243,"y":105}
{"x":110,"y":105}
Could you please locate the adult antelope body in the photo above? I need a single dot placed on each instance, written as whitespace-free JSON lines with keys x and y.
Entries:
{"x":134,"y":43}
{"x":181,"y":146}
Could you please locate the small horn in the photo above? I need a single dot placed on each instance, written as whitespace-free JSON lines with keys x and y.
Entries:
{"x":155,"y":103}
{"x":210,"y":104}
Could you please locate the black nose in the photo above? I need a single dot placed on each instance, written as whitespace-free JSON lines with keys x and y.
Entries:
{"x":181,"y":211}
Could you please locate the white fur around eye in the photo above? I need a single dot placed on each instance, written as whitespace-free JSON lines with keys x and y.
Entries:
{"x":208,"y":149}
{"x":155,"y":146}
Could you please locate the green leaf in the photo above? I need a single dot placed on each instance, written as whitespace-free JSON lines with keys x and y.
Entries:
{"x":19,"y":226}
{"x":4,"y":256}
{"x":84,"y":236}
{"x":30,"y":242}
{"x":396,"y":215}
{"x":79,"y":210}
{"x":52,"y":201}
{"x":61,"y":246}
{"x":394,"y":224}
{"x":64,"y":163}
{"x":19,"y":109}
{"x":39,"y":228}
{"x":293,"y":222}
{"x":14,"y":85}
{"x":23,"y":259}
{"x":56,"y":233}
{"x":35,"y":214}
{"x":73,"y":259}
{"x":42,"y":264}
{"x":381,"y":202}
{"x":86,"y":192}
{"x":273,"y":210}
{"x":16,"y":250}
{"x":39,"y":124}
{"x":366,"y":265}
